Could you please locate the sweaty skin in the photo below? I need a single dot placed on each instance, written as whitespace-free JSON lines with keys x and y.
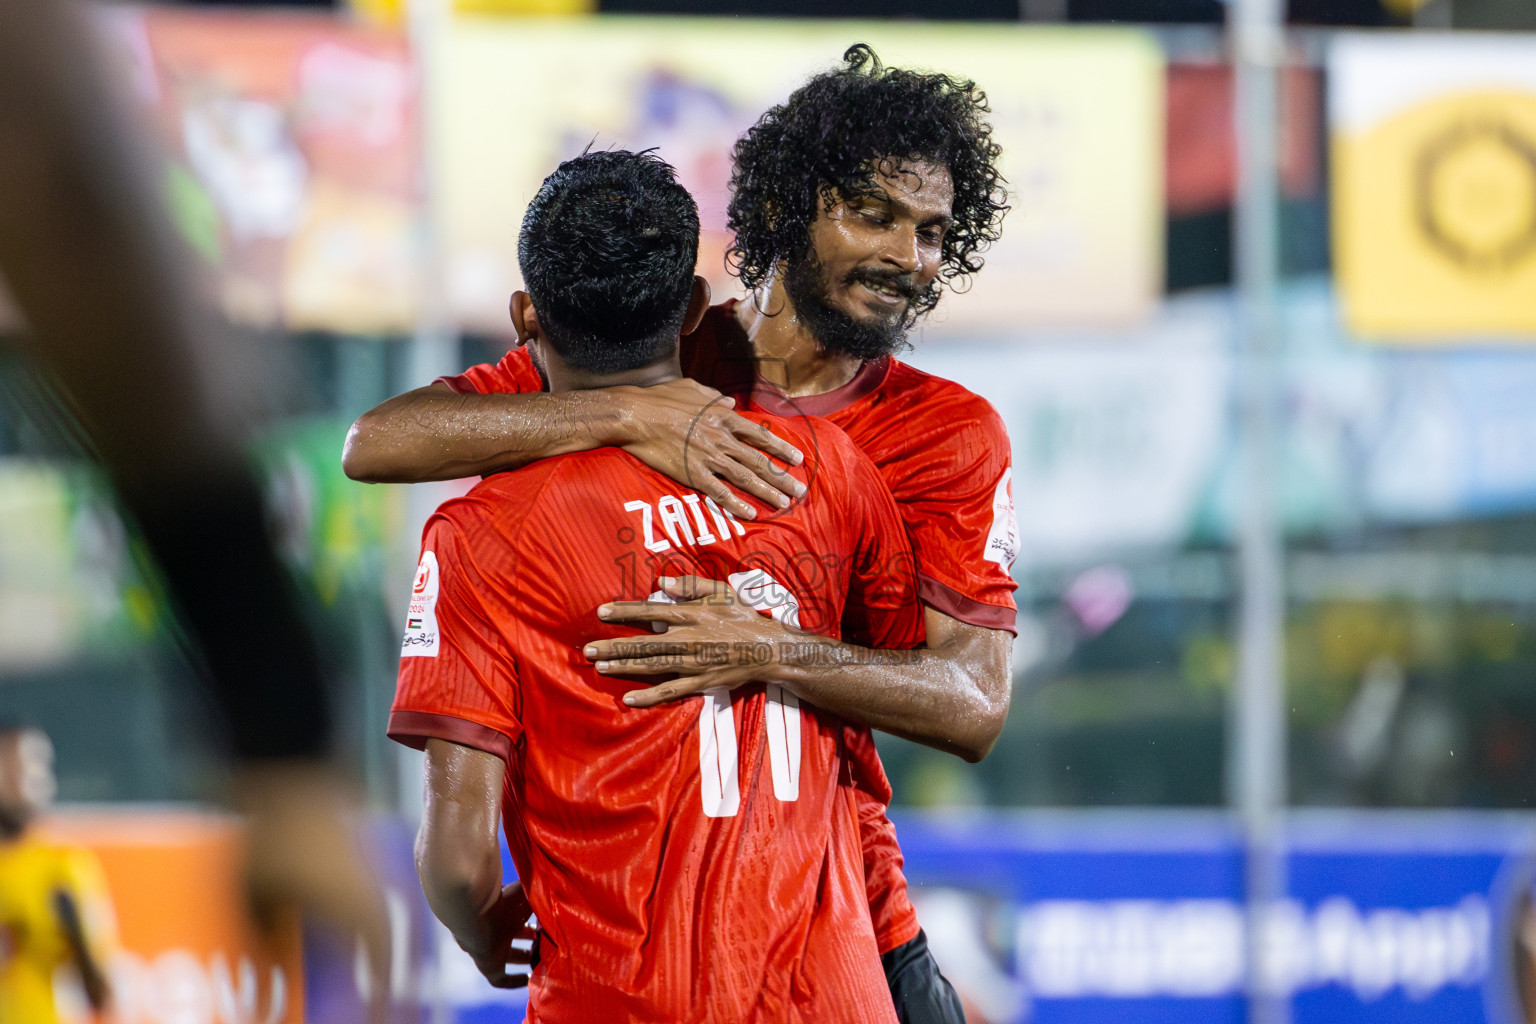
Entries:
{"x":935,"y":696}
{"x":433,"y":434}
{"x":954,"y":695}
{"x":458,"y":858}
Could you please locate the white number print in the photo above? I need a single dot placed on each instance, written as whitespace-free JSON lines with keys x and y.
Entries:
{"x":766,"y":594}
{"x":718,"y":785}
{"x":717,"y":755}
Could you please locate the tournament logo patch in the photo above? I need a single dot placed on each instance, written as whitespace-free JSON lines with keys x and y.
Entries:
{"x":1003,"y":537}
{"x":421,"y":637}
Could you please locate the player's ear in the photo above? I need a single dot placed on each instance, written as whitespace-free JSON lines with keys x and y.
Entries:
{"x":525,"y":319}
{"x":698,"y":305}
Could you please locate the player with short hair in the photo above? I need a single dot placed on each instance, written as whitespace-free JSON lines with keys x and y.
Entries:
{"x":698,"y":862}
{"x":853,"y":203}
{"x":54,"y":908}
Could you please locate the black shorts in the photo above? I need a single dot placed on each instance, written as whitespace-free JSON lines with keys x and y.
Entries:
{"x":922,"y":995}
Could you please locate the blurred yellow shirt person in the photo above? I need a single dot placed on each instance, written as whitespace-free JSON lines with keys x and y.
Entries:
{"x":54,"y":908}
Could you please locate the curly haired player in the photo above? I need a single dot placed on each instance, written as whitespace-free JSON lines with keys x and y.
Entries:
{"x":854,"y":203}
{"x":837,"y":141}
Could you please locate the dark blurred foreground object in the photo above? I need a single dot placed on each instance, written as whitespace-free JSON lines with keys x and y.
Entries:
{"x":99,"y":275}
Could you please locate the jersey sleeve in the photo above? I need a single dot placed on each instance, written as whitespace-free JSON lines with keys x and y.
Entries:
{"x":957,"y":502}
{"x":515,"y":374}
{"x":458,"y":675}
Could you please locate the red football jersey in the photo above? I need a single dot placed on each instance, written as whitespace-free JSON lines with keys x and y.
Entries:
{"x":943,"y":453}
{"x":941,"y":450}
{"x":698,"y":861}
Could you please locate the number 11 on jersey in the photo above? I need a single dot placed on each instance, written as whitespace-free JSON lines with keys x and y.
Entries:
{"x":718,"y":760}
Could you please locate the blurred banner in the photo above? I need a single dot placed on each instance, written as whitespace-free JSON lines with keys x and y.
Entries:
{"x":1100,"y":917}
{"x":188,"y":954}
{"x":1434,"y":179}
{"x":1392,"y":436}
{"x":1125,"y":442}
{"x":1079,"y":114}
{"x":334,"y":531}
{"x":1094,"y":917}
{"x":433,"y":979}
{"x":67,"y":575}
{"x":292,"y":160}
{"x":1202,"y":147}
{"x":1114,"y":439}
{"x":393,"y":12}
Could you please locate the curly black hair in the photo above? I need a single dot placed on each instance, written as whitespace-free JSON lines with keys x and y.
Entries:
{"x":829,"y":139}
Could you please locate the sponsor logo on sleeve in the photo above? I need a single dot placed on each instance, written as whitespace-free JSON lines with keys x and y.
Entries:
{"x":1003,"y":538}
{"x":421,"y":638}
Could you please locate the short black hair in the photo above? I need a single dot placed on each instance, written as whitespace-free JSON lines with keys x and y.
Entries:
{"x":829,"y":140}
{"x":608,"y":250}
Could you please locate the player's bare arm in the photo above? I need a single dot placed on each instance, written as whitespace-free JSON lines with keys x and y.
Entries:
{"x":458,"y":858}
{"x":953,"y":695}
{"x":681,"y":428}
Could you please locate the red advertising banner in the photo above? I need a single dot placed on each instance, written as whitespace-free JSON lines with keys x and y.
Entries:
{"x":1202,"y":150}
{"x":292,"y":159}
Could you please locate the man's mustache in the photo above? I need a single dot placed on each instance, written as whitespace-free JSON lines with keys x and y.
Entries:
{"x":904,"y":285}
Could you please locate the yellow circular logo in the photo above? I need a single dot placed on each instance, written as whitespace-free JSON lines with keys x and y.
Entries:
{"x":1476,"y":195}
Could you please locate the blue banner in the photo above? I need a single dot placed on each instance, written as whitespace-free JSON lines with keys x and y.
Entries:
{"x":1092,"y":918}
{"x":1097,"y":917}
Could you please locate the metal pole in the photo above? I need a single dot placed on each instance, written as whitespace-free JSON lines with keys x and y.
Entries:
{"x":1259,"y":763}
{"x":433,"y":353}
{"x":434,"y":344}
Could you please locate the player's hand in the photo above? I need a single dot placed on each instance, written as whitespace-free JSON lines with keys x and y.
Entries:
{"x":693,"y":434}
{"x":713,"y":639}
{"x":305,"y":854}
{"x":506,"y":923}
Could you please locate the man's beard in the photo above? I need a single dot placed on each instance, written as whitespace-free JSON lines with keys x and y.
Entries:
{"x":809,"y":285}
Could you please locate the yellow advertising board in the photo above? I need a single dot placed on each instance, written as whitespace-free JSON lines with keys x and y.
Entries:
{"x":1434,"y":185}
{"x":1079,"y":114}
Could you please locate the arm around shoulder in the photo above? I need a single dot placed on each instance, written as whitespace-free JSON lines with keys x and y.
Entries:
{"x":432,"y":433}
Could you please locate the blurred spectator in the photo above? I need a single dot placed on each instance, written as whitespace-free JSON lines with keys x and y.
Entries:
{"x":54,"y":908}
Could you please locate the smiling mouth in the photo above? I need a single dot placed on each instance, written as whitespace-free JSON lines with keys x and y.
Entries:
{"x":886,"y":294}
